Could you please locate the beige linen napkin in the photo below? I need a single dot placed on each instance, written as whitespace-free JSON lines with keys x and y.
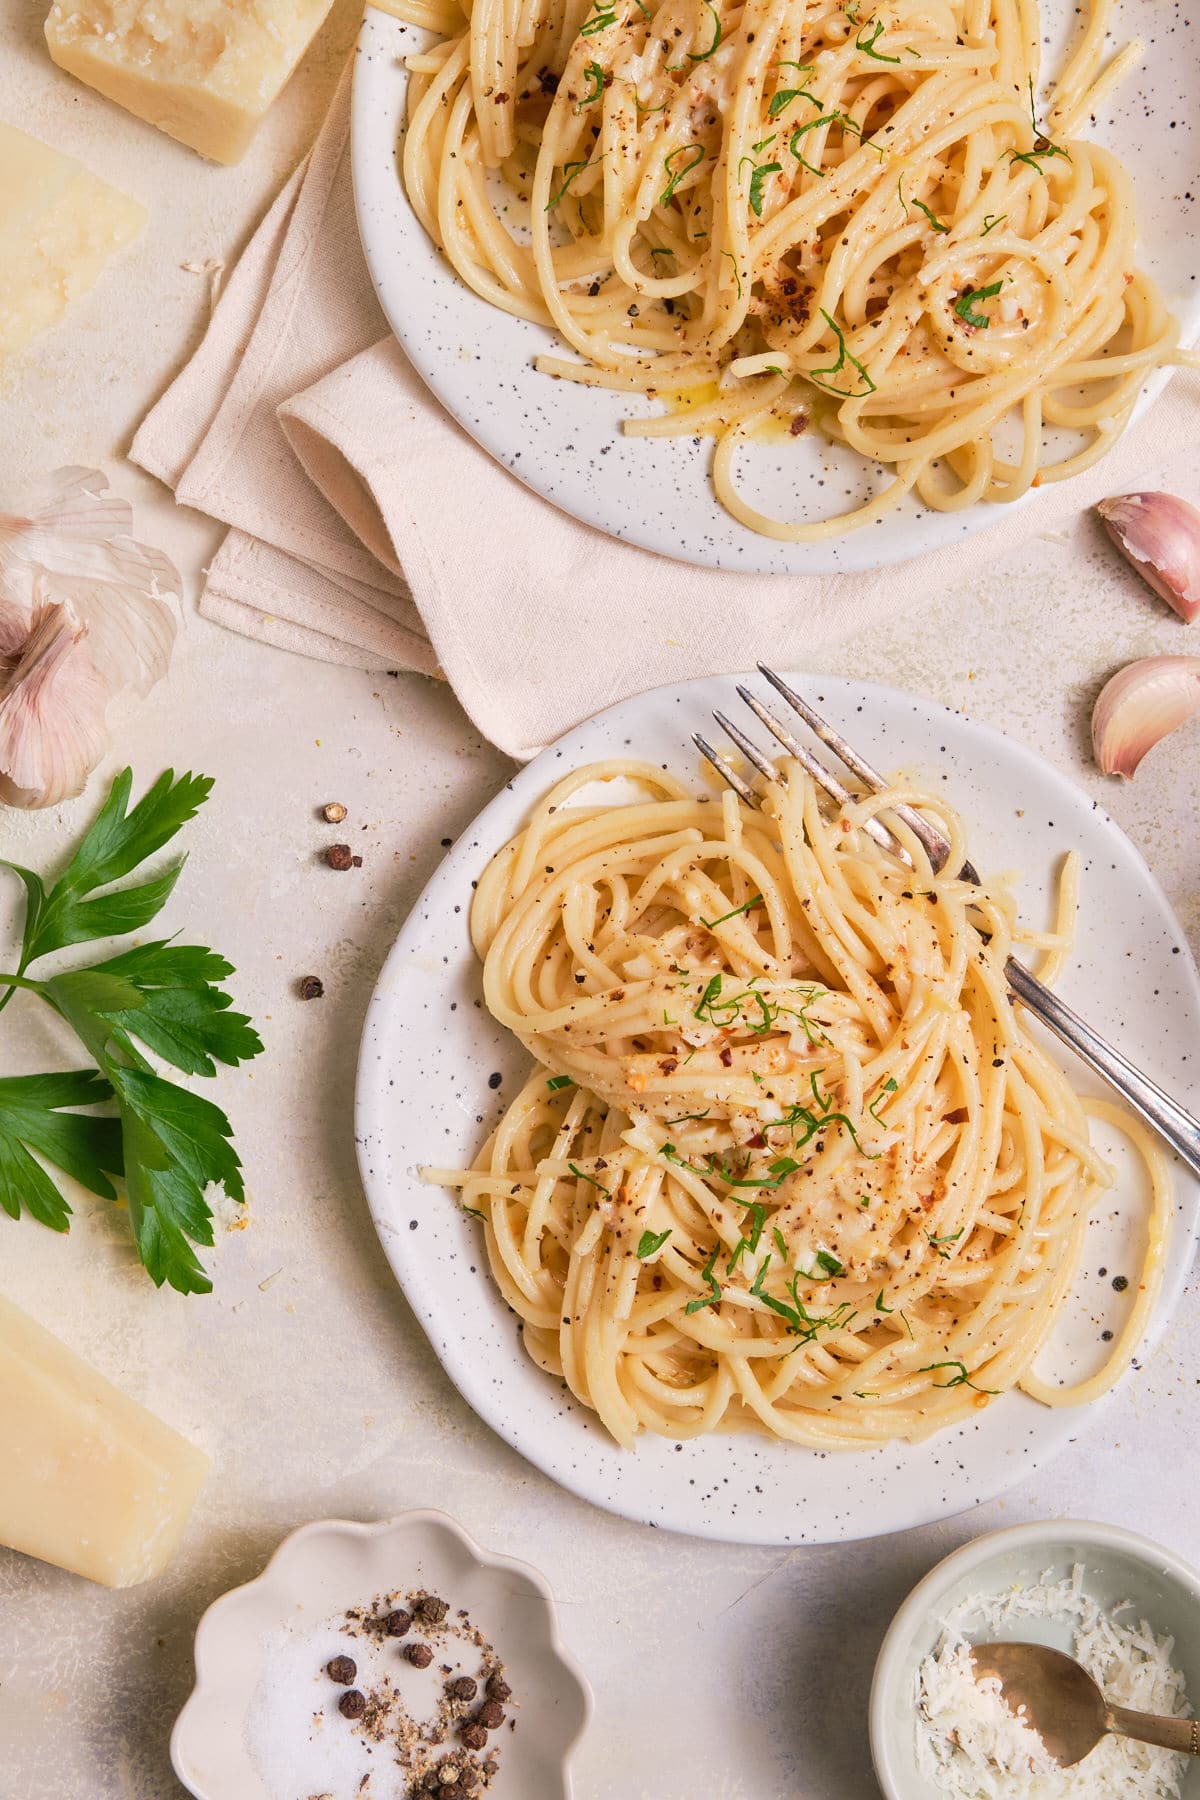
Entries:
{"x":300,"y":423}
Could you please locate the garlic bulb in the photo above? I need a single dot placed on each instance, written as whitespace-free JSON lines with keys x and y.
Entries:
{"x":84,"y":612}
{"x":1160,"y":535}
{"x":1140,"y":705}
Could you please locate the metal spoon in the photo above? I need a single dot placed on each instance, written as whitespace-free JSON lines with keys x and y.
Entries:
{"x":1065,"y":1707}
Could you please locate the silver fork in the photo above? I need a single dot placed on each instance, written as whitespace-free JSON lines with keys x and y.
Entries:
{"x":1165,"y":1116}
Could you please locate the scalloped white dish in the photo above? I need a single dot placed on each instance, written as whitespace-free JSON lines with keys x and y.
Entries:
{"x":566,"y":441}
{"x":435,"y":1071}
{"x":262,"y":1722}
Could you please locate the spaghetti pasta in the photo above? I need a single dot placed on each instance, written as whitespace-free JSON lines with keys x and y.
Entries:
{"x":786,"y":1158}
{"x":766,"y":210}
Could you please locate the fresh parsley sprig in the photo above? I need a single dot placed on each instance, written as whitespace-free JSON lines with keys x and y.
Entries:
{"x":165,"y":1144}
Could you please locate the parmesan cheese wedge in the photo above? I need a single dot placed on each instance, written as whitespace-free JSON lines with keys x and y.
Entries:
{"x":59,"y":224}
{"x":89,"y":1479}
{"x":204,"y":71}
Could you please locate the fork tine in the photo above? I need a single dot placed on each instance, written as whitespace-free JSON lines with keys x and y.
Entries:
{"x":803,"y":755}
{"x":824,"y":778}
{"x":934,"y":842}
{"x":740,"y":787}
{"x":748,"y":747}
{"x":833,"y":740}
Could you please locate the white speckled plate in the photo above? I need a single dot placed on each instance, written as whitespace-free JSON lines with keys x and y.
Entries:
{"x":566,"y":441}
{"x":435,"y":1070}
{"x":262,"y":1720}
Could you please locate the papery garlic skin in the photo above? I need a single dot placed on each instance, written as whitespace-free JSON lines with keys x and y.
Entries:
{"x":1139,"y":706}
{"x":52,"y":710}
{"x":1160,"y":536}
{"x":84,"y":612}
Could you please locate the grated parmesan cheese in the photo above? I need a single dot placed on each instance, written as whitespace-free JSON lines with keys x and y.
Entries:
{"x":971,"y":1747}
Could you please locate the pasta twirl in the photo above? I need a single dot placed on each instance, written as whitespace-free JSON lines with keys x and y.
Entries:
{"x":781,"y":207}
{"x":786,"y":1158}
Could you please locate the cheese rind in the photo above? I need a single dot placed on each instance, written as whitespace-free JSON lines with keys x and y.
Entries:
{"x":59,"y":224}
{"x":204,"y":71}
{"x":89,"y":1480}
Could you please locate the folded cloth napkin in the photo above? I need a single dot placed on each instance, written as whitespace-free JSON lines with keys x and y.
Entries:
{"x":300,"y":424}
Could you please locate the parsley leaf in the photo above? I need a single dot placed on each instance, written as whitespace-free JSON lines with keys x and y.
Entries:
{"x":650,"y":1241}
{"x":166,"y":1144}
{"x":32,"y":1117}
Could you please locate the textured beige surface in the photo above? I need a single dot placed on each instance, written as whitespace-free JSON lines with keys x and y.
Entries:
{"x":723,"y":1673}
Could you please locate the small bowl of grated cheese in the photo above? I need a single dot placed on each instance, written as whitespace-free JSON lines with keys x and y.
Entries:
{"x":1124,"y":1607}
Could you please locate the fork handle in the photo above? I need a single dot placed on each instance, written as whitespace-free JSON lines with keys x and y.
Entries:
{"x":1182,"y":1735}
{"x":1163,"y":1115}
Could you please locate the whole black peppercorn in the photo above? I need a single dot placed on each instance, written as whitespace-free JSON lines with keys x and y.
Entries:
{"x":463,"y":1687}
{"x":339,"y":856}
{"x":474,"y":1737}
{"x":453,"y":1792}
{"x":1120,"y":1283}
{"x":490,"y":1715}
{"x":342,"y":1668}
{"x":311,"y":987}
{"x":398,"y":1623}
{"x":432,"y":1610}
{"x":497,"y":1687}
{"x":419,"y":1655}
{"x":353,"y":1704}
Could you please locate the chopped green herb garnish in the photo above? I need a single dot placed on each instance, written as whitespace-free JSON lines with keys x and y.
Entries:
{"x":879,"y":1306}
{"x":844,"y":357}
{"x":889,"y":1087}
{"x":962,"y":1379}
{"x":937,"y":1243}
{"x":759,"y":176}
{"x":684,"y":1117}
{"x":703,"y":55}
{"x":990,"y":222}
{"x":746,"y":906}
{"x":474,"y":1212}
{"x":964,"y":305}
{"x":554,"y":1082}
{"x":650,"y":1241}
{"x":572,"y":171}
{"x":675,"y":176}
{"x":921,"y":208}
{"x":764,"y":143}
{"x":575,"y":1170}
{"x":799,"y":1320}
{"x":802,"y":131}
{"x":599,"y":21}
{"x":868,"y":48}
{"x":827,"y":1265}
{"x":714,"y":1293}
{"x":783,"y":99}
{"x":662,"y":252}
{"x":780,"y":1245}
{"x":595,"y":87}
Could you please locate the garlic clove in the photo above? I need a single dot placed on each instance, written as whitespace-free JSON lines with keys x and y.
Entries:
{"x":52,"y":705}
{"x":74,"y":546}
{"x":1141,"y":704}
{"x":1160,"y":536}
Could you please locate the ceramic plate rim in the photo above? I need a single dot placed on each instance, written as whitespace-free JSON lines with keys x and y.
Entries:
{"x":489,"y":830}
